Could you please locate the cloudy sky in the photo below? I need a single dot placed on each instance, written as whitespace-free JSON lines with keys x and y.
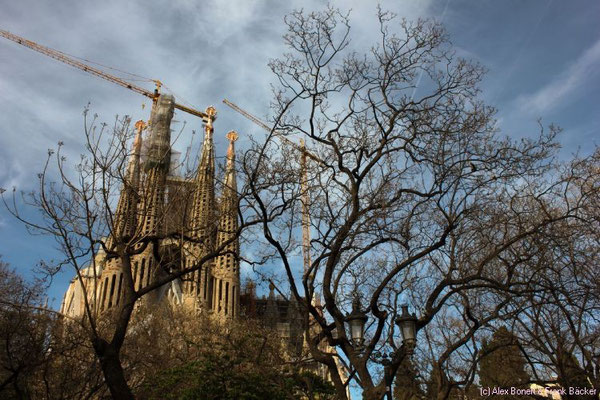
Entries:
{"x":543,"y":58}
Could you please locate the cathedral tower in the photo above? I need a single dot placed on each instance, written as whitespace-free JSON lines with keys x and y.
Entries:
{"x":226,"y":276}
{"x":145,"y":204}
{"x":157,"y":168}
{"x":124,"y":226}
{"x":196,"y":286}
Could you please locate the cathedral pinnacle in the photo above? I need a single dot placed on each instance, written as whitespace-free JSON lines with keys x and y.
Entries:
{"x":136,"y":150}
{"x":203,"y":223}
{"x":227,"y":273}
{"x":232,"y":136}
{"x":125,"y":215}
{"x":139,"y":126}
{"x":211,"y":112}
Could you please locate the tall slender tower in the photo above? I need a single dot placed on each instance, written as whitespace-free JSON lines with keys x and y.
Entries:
{"x":126,"y":215}
{"x":226,"y":286}
{"x":124,"y":226}
{"x":157,"y":164}
{"x":202,"y":225}
{"x":157,"y":168}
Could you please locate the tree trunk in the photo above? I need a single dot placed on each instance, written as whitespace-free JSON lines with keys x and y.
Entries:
{"x":113,"y":371}
{"x":374,"y":393}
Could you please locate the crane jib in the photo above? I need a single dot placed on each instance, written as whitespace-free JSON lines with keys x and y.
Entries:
{"x":57,"y":55}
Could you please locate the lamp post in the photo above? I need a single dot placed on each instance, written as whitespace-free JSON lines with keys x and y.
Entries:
{"x":408,"y":328}
{"x":387,"y":377}
{"x":357,"y":320}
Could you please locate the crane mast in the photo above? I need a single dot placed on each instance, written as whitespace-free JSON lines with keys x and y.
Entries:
{"x":303,"y":180}
{"x":305,"y":209}
{"x":57,"y":55}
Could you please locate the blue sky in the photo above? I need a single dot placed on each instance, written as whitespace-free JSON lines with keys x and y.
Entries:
{"x":543,"y":59}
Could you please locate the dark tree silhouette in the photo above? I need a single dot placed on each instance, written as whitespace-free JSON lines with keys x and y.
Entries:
{"x":502,"y":364}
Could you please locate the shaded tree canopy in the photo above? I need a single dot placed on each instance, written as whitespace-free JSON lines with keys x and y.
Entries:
{"x":407,"y":385}
{"x":502,"y":364}
{"x":197,"y":358}
{"x":23,"y":330}
{"x":414,"y":196}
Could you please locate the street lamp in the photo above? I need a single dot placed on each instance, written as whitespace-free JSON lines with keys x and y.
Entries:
{"x":408,"y":327}
{"x":357,"y":320}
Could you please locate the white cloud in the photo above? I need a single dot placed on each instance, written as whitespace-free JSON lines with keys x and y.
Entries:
{"x":203,"y":51}
{"x":565,"y":85}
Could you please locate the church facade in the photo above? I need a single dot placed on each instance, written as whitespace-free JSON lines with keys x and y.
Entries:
{"x":176,"y":222}
{"x":179,"y":223}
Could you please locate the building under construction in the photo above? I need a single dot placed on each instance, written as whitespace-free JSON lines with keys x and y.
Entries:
{"x":152,"y":203}
{"x":156,"y":202}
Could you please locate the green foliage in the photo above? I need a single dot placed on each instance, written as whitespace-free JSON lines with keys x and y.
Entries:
{"x":502,"y":364}
{"x":224,"y":377}
{"x":181,"y":356}
{"x":212,"y":378}
{"x":312,"y":386}
{"x":407,"y":385}
{"x":570,"y":373}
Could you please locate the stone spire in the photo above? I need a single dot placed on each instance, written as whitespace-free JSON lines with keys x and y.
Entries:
{"x":227,"y":272}
{"x":204,"y":195}
{"x":230,"y":188}
{"x":125,"y":218}
{"x":158,"y":159}
{"x":202,"y":223}
{"x":125,"y":221}
{"x":157,"y":164}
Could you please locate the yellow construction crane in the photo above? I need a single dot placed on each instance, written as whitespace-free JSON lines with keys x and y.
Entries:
{"x":303,"y":180}
{"x":305,"y":207}
{"x":266,"y":127}
{"x":57,"y":55}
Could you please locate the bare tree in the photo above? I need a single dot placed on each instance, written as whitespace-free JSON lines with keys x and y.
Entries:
{"x":109,"y":211}
{"x":23,"y":328}
{"x":417,"y":199}
{"x":41,"y":357}
{"x":558,"y":327}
